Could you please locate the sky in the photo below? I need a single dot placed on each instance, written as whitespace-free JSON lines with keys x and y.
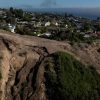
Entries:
{"x":51,"y":3}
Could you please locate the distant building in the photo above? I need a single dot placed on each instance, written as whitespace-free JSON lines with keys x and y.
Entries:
{"x":86,"y":36}
{"x":56,"y":24}
{"x":38,"y":34}
{"x":47,"y":24}
{"x":39,"y":24}
{"x":47,"y":34}
{"x":66,"y":26}
{"x":12,"y":28}
{"x":22,"y":22}
{"x":2,"y":12}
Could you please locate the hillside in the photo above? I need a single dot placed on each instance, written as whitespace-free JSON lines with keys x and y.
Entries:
{"x":69,"y":79}
{"x":22,"y":64}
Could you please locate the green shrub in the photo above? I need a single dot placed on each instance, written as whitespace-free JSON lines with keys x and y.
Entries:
{"x":71,"y":80}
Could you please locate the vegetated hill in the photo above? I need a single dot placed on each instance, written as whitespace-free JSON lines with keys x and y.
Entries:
{"x":29,"y":64}
{"x":69,"y":79}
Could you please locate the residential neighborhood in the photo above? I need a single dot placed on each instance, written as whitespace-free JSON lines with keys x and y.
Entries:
{"x":48,"y":25}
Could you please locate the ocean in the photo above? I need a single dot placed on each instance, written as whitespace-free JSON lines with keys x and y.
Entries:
{"x":91,"y":13}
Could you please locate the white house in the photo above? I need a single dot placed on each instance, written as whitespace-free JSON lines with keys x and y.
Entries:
{"x":66,"y":26}
{"x":47,"y":24}
{"x":38,"y":34}
{"x":86,"y":36}
{"x":39,"y":24}
{"x":12,"y":28}
{"x":56,"y":24}
{"x":47,"y":34}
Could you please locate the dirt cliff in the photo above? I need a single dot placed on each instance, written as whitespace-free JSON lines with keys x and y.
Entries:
{"x":22,"y":64}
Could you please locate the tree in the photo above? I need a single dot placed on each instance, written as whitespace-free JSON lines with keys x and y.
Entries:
{"x":97,"y":27}
{"x":98,"y":18}
{"x":18,"y":13}
{"x":11,"y":10}
{"x":27,"y":17}
{"x":87,"y":27}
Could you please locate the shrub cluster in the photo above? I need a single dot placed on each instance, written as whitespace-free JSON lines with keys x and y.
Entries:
{"x":69,"y":79}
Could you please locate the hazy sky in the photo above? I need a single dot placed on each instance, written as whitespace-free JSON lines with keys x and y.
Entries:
{"x":50,"y":3}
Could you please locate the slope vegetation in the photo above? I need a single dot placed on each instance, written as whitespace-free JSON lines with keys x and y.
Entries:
{"x":68,"y":79}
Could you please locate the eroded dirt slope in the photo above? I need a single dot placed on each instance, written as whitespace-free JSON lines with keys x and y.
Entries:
{"x":22,"y":64}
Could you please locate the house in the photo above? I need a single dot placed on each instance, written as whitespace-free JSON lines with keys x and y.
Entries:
{"x":2,"y":12}
{"x":38,"y":24}
{"x":47,"y":24}
{"x":87,"y":36}
{"x":56,"y":24}
{"x":47,"y":34}
{"x":22,"y":22}
{"x":38,"y":34}
{"x":79,"y":26}
{"x":12,"y":28}
{"x":66,"y":26}
{"x":83,"y":33}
